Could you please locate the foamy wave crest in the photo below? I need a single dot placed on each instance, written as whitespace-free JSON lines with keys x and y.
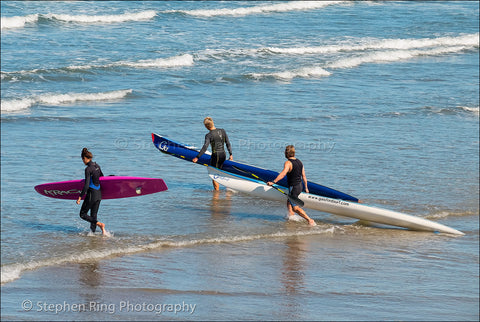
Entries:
{"x":176,"y":61}
{"x":393,"y":56}
{"x":244,"y":11}
{"x":18,"y":21}
{"x":308,"y":72}
{"x":11,"y":272}
{"x":169,"y":62}
{"x":474,"y":110}
{"x":16,"y":105}
{"x":371,"y":51}
{"x":143,"y":15}
{"x":471,"y":40}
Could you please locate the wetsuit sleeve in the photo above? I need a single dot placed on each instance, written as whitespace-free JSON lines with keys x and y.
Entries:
{"x":227,"y":142}
{"x":87,"y":182}
{"x":205,"y":146}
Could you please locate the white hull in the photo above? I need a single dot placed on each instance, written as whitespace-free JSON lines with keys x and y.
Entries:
{"x":333,"y":206}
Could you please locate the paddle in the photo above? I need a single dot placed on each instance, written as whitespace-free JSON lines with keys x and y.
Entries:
{"x":293,"y":199}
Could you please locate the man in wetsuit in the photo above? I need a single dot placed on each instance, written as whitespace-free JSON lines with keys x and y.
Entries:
{"x":295,"y":172}
{"x":217,"y":138}
{"x":91,"y":191}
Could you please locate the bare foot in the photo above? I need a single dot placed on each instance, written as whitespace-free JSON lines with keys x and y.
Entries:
{"x":102,"y":226}
{"x":312,"y":222}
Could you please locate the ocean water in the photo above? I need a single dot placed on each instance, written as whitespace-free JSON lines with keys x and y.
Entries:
{"x":380,"y":98}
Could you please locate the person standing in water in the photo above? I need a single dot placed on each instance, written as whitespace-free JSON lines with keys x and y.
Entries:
{"x":217,"y":138}
{"x":92,"y":192}
{"x":295,"y":172}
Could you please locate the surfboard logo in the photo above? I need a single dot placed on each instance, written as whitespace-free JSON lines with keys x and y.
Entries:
{"x":61,"y":192}
{"x":163,"y":146}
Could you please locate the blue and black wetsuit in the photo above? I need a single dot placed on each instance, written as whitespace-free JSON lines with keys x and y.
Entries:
{"x":217,"y":139}
{"x":93,"y":194}
{"x":294,"y":179}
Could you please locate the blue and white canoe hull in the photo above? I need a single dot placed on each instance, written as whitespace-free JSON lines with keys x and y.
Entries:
{"x":187,"y":153}
{"x":329,"y":205}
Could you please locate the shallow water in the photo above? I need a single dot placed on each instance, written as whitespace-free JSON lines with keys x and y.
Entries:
{"x":380,"y":99}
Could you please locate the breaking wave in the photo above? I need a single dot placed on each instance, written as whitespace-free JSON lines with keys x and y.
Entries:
{"x":377,"y":51}
{"x":16,"y":105}
{"x":474,"y":110}
{"x":18,"y":21}
{"x":22,"y":21}
{"x":139,"y":16}
{"x":261,"y":9}
{"x":471,"y":40}
{"x":169,"y":62}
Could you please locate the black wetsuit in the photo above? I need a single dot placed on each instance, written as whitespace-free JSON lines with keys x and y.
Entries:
{"x":294,"y":178}
{"x":216,"y":138}
{"x":93,"y":194}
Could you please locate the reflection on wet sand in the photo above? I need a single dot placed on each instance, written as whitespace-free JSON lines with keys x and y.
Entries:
{"x":292,"y":276}
{"x":220,"y":207}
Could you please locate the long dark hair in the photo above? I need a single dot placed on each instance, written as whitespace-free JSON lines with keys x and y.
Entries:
{"x":86,"y":154}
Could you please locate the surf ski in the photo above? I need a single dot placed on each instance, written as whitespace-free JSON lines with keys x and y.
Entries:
{"x":334,"y":206}
{"x":233,"y":175}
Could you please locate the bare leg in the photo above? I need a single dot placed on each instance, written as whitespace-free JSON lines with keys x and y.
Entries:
{"x":102,"y":227}
{"x":216,"y":186}
{"x":290,"y":210}
{"x":302,"y":213}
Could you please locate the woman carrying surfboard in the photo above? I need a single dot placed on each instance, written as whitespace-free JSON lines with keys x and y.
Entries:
{"x":92,"y":192}
{"x":217,"y":138}
{"x":295,"y":172}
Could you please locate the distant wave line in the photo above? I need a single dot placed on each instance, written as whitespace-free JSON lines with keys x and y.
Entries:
{"x":143,"y":15}
{"x":475,"y":110}
{"x":392,"y":50}
{"x":15,"y":105}
{"x":21,"y":21}
{"x":261,"y":9}
{"x":464,"y":40}
{"x":351,"y":62}
{"x":169,"y":62}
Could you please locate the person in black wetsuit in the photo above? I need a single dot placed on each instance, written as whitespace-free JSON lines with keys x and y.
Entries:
{"x":295,"y":172}
{"x":92,"y":192}
{"x":217,"y":138}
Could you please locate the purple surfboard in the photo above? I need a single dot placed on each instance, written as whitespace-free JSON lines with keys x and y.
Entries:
{"x":113,"y":187}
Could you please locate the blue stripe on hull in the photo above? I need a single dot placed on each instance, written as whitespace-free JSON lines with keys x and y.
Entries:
{"x":181,"y":151}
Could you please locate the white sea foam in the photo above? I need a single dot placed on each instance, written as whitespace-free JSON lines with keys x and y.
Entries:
{"x":11,"y":272}
{"x":176,"y":61}
{"x":380,"y":51}
{"x":18,"y":21}
{"x":392,"y":56}
{"x":261,"y":9}
{"x":474,"y":110}
{"x":16,"y":105}
{"x":471,"y":40}
{"x":138,"y":16}
{"x":307,"y":72}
